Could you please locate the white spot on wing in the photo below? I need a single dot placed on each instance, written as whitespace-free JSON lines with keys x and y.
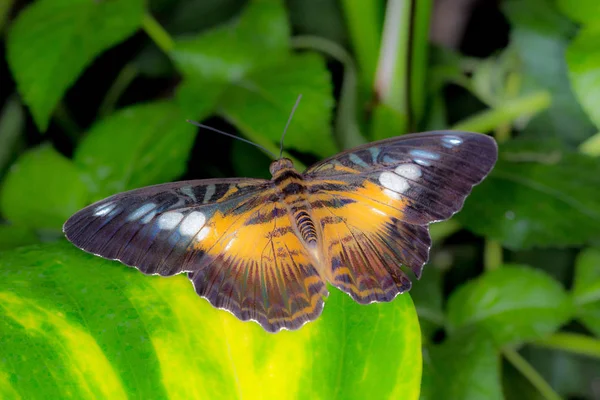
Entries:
{"x":424,"y":163}
{"x":104,"y":209}
{"x":408,"y":171}
{"x":192,"y":223}
{"x":148,"y":217}
{"x":451,"y":141}
{"x":143,"y":210}
{"x":394,"y":183}
{"x":203,"y":233}
{"x":392,"y":194}
{"x":428,"y":155}
{"x":169,"y":220}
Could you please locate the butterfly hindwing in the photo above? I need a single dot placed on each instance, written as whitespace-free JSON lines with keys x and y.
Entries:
{"x":380,"y":199}
{"x":230,"y":235}
{"x":260,"y":270}
{"x":365,"y":248}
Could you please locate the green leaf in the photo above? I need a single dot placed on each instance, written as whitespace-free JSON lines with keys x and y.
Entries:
{"x":78,"y":326}
{"x":464,"y":367}
{"x":584,"y":11}
{"x":261,"y":105}
{"x":586,"y":289}
{"x":512,"y":304}
{"x":12,"y":236}
{"x":540,"y":36}
{"x":584,"y":69}
{"x":591,"y":146}
{"x":537,"y":196}
{"x":42,"y":189}
{"x":541,"y":16}
{"x":138,"y":146}
{"x":53,"y":41}
{"x":258,"y":38}
{"x":198,"y":97}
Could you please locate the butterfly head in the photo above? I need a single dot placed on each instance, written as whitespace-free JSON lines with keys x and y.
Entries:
{"x":280,"y":165}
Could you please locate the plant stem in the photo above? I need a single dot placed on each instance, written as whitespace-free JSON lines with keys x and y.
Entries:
{"x":347,"y":129}
{"x":392,"y":66}
{"x":572,"y":342}
{"x":364,"y":27}
{"x":157,"y":33}
{"x":487,"y":120}
{"x":125,"y":77}
{"x":419,"y":49}
{"x":530,"y":373}
{"x":492,"y":255}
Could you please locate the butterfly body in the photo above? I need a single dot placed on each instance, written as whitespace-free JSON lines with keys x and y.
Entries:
{"x":264,"y":249}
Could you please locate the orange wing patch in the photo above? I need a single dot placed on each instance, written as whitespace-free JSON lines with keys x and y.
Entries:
{"x":259,"y":270}
{"x":365,"y":241}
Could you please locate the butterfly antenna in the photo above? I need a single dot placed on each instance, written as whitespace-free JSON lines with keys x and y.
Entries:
{"x":210,"y":128}
{"x":288,"y":124}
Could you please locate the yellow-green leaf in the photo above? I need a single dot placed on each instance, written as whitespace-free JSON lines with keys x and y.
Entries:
{"x":74,"y":325}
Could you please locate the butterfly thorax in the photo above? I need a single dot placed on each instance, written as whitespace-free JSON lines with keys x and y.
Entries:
{"x":292,"y":192}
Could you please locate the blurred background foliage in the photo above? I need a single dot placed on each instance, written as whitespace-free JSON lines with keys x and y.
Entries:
{"x":93,"y":101}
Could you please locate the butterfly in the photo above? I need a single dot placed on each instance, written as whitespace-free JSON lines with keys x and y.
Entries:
{"x":265,"y":249}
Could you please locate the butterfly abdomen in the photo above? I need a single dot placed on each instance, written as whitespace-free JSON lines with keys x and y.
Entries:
{"x":294,"y":194}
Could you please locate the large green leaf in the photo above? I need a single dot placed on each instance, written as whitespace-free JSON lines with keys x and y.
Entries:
{"x":42,"y":189}
{"x":586,"y":289}
{"x":138,"y":146}
{"x":464,"y":367}
{"x":257,"y":38}
{"x":584,"y":69}
{"x":512,"y":304}
{"x":74,"y":325}
{"x":537,"y":196}
{"x":52,"y":41}
{"x":260,"y":107}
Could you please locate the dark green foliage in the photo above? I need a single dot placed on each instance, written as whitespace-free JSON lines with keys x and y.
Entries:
{"x":95,"y":102}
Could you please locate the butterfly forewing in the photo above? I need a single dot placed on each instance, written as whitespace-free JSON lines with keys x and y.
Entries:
{"x":430,"y":174}
{"x":152,"y":228}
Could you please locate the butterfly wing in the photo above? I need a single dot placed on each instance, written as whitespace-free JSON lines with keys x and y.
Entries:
{"x":374,"y":204}
{"x":215,"y":231}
